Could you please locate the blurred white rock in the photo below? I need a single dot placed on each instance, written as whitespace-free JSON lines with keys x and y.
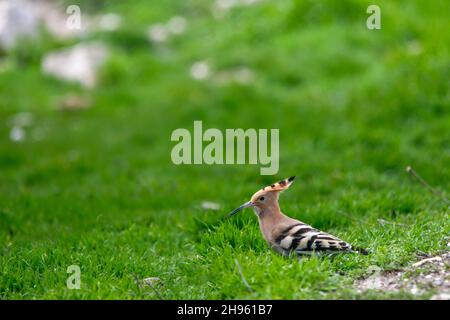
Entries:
{"x":200,"y":70}
{"x":441,"y":296}
{"x":208,"y":205}
{"x":151,"y":280}
{"x":177,"y":25}
{"x":17,"y":134}
{"x":18,"y":122}
{"x":109,"y":22}
{"x":17,"y":20}
{"x":79,"y":63}
{"x":158,"y":33}
{"x":161,"y":32}
{"x":21,"y":18}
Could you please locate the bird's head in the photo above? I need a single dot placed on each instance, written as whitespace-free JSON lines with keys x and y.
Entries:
{"x":265,"y":198}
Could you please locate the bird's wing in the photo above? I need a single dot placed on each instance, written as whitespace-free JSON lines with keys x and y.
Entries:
{"x":304,"y":238}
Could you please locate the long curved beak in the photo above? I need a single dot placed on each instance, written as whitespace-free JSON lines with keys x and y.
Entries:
{"x":245,"y":205}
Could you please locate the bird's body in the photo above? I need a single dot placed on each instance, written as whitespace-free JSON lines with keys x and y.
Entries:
{"x":287,"y":235}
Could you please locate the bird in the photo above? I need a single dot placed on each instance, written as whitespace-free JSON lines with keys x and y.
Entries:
{"x":287,"y":235}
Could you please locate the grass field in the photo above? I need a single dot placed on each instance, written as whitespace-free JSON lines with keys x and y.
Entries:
{"x":97,"y":187}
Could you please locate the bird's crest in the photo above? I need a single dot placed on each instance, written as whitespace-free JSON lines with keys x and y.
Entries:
{"x":280,"y":185}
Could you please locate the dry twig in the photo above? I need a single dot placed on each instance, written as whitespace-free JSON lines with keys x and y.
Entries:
{"x":424,"y":183}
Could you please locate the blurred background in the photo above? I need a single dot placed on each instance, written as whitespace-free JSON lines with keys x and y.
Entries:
{"x":90,"y":92}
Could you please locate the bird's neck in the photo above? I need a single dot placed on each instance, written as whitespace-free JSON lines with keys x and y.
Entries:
{"x":270,"y":213}
{"x":269,"y":217}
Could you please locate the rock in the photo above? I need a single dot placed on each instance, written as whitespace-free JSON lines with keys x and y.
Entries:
{"x":18,"y":123}
{"x":78,"y":63}
{"x":161,"y":32}
{"x":435,"y":276}
{"x":176,"y":25}
{"x":207,"y":205}
{"x":441,"y":296}
{"x":17,"y":20}
{"x":200,"y":70}
{"x":158,"y":33}
{"x":152,"y":281}
{"x":17,"y":134}
{"x":21,"y":19}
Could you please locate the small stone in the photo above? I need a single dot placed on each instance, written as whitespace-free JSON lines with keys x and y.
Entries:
{"x":177,"y":25}
{"x":78,"y":63}
{"x":17,"y":134}
{"x":200,"y":70}
{"x":17,"y":20}
{"x":414,"y":290}
{"x":151,"y":281}
{"x":438,"y":282}
{"x":441,"y":296}
{"x":207,"y":205}
{"x":158,"y":33}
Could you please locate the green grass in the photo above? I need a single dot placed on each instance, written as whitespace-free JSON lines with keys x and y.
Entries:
{"x":97,"y":188}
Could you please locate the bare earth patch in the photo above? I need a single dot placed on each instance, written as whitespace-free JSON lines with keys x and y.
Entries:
{"x":432,"y":273}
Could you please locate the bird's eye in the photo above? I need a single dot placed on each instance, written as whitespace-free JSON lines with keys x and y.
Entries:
{"x":261,"y":199}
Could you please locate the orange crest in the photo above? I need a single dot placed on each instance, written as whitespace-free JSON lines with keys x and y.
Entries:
{"x":280,"y":185}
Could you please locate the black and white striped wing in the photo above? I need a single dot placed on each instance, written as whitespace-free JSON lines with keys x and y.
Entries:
{"x":303,"y":238}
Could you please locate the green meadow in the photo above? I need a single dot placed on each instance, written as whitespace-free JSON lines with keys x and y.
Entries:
{"x":96,"y":186}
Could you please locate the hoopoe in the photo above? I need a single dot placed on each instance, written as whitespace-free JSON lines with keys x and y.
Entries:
{"x":286,"y":235}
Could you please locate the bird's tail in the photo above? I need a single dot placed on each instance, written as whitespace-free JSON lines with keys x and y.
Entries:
{"x":361,"y":251}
